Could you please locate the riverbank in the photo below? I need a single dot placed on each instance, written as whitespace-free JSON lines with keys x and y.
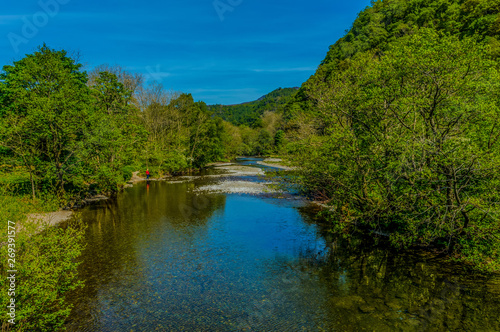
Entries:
{"x":231,"y":186}
{"x":275,"y":162}
{"x":50,"y":218}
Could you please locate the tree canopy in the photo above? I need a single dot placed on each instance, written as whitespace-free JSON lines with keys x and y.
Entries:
{"x":384,"y":22}
{"x":398,"y":130}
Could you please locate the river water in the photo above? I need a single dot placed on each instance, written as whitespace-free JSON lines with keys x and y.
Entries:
{"x":163,"y":257}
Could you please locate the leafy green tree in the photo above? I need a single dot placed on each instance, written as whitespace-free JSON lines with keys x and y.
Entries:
{"x":45,"y":112}
{"x":110,"y":94}
{"x":279,"y":139}
{"x":413,"y":145}
{"x":113,"y":143}
{"x":250,"y":141}
{"x":212,"y":147}
{"x":265,"y":142}
{"x":131,"y":81}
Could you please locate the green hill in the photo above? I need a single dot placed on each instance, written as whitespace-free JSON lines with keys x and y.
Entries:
{"x":387,"y":21}
{"x":249,"y":113}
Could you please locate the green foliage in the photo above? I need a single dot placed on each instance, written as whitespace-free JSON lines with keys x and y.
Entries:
{"x":110,"y":94}
{"x":258,"y":139}
{"x":279,"y":140}
{"x":112,"y":144}
{"x":250,"y":113}
{"x":45,"y":114}
{"x":211,"y":148}
{"x":246,"y":141}
{"x":46,"y":276}
{"x":411,"y":145}
{"x":385,"y":21}
{"x":46,"y":268}
{"x":183,"y":134}
{"x":265,"y":142}
{"x":126,"y":172}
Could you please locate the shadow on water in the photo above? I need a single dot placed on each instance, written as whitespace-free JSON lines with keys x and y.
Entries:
{"x":163,"y":258}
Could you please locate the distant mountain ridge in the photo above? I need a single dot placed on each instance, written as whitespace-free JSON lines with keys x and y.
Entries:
{"x":248,"y":113}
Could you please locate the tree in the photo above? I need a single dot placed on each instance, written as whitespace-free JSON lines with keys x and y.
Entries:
{"x":413,"y":145}
{"x":110,"y":94}
{"x":279,"y":139}
{"x":131,"y":81}
{"x":114,"y":142}
{"x":265,"y":141}
{"x":212,"y":147}
{"x":45,"y":112}
{"x":46,"y":260}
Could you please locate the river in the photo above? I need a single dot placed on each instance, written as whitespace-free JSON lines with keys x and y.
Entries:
{"x":164,"y":256}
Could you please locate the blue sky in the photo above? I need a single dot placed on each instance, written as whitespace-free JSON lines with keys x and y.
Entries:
{"x":222,"y":51}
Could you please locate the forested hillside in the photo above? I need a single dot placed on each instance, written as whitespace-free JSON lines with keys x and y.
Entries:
{"x":249,"y":113}
{"x":399,"y":128}
{"x":255,"y":128}
{"x":386,"y":21}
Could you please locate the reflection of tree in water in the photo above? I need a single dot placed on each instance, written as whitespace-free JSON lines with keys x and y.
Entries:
{"x":116,"y":229}
{"x":176,"y":202}
{"x":105,"y":257}
{"x":369,"y":286}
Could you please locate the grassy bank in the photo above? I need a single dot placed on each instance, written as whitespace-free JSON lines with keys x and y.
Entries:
{"x":44,"y":261}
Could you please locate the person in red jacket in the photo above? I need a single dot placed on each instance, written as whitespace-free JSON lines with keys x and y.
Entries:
{"x":147,"y":174}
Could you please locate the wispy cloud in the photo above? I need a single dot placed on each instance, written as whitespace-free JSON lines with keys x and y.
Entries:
{"x":283,"y":70}
{"x":9,"y":19}
{"x":184,"y":45}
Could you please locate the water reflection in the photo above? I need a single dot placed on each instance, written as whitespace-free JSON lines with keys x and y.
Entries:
{"x":114,"y":266}
{"x":167,"y":259}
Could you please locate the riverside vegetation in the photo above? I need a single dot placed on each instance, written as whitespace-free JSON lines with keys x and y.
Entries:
{"x":398,"y":130}
{"x":66,"y":135}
